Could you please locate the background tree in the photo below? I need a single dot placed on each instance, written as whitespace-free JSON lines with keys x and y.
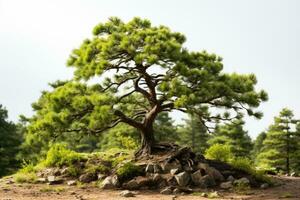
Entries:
{"x":194,"y":134}
{"x":233,"y":135}
{"x":258,"y":144}
{"x":281,"y":143}
{"x":144,"y":70}
{"x":10,"y":140}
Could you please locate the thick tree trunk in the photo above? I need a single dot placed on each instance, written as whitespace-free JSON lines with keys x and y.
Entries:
{"x":147,"y":141}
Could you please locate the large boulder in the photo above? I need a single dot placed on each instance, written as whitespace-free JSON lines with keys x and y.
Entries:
{"x":206,"y":169}
{"x":226,"y":185}
{"x":183,"y":178}
{"x":138,"y":182}
{"x":88,"y":177}
{"x":207,"y":181}
{"x":110,"y":182}
{"x":196,"y":177}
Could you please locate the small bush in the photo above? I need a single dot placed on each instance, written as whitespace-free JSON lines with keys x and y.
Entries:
{"x":73,"y":171}
{"x":219,"y":152}
{"x":22,"y":177}
{"x":246,"y":165}
{"x":52,"y":189}
{"x":97,"y":169}
{"x":128,"y":171}
{"x":58,"y":155}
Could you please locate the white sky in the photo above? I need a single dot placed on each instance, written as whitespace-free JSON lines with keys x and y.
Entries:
{"x":261,"y":37}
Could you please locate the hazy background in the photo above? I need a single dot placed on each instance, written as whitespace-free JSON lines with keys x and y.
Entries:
{"x":257,"y":36}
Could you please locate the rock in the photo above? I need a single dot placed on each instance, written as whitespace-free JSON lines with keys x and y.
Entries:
{"x":41,"y":180}
{"x":166,"y":190}
{"x":54,"y":180}
{"x":206,"y":169}
{"x":166,"y":166}
{"x":171,"y":181}
{"x":242,"y":181}
{"x":176,"y":191}
{"x":126,"y":193}
{"x":131,"y":185}
{"x":182,"y":178}
{"x":64,"y":171}
{"x":10,"y":181}
{"x":88,"y":177}
{"x":149,"y":168}
{"x":217,"y":176}
{"x":157,"y":178}
{"x":110,"y":182}
{"x":187,"y":168}
{"x":207,"y":181}
{"x":226,"y":185}
{"x":230,"y":178}
{"x":156,"y":169}
{"x":71,"y":182}
{"x":196,"y":177}
{"x":264,"y":186}
{"x":138,"y":182}
{"x":100,"y":176}
{"x":56,"y":172}
{"x":174,"y":171}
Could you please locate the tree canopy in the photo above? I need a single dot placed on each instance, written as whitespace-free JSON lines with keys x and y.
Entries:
{"x":281,"y":146}
{"x":234,"y":136}
{"x":140,"y":71}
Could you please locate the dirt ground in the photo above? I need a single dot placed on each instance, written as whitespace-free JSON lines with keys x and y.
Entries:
{"x":289,"y":188}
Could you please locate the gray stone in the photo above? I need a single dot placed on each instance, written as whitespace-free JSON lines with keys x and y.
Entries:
{"x":207,"y":181}
{"x":217,"y":176}
{"x":174,"y":171}
{"x":131,"y":185}
{"x":54,"y":180}
{"x":230,"y":178}
{"x":226,"y":185}
{"x":166,"y":166}
{"x":196,"y":177}
{"x":100,"y":176}
{"x":71,"y":182}
{"x":166,"y":190}
{"x":110,"y":182}
{"x":41,"y":180}
{"x":242,"y":181}
{"x":182,"y":178}
{"x":64,"y":171}
{"x":264,"y":186}
{"x":88,"y":177}
{"x":126,"y":193}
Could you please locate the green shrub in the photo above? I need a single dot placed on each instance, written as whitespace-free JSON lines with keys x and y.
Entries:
{"x":219,"y":152}
{"x":128,"y":171}
{"x":58,"y":155}
{"x":23,"y":177}
{"x":97,"y":169}
{"x":73,"y":171}
{"x":246,"y":165}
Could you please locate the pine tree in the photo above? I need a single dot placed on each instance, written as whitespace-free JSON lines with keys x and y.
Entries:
{"x":258,"y":144}
{"x":9,"y":143}
{"x":143,"y":70}
{"x":233,"y":135}
{"x":281,"y":144}
{"x":194,"y":134}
